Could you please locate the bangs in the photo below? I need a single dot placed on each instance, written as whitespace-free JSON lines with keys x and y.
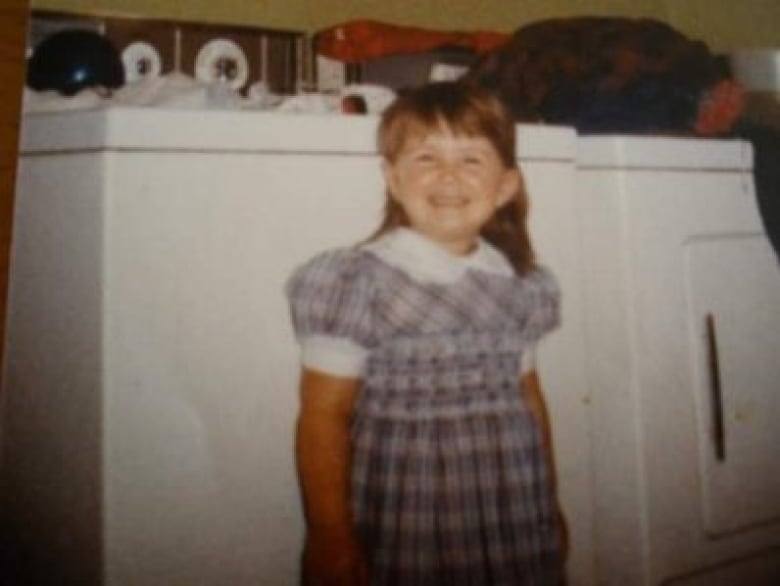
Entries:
{"x":458,"y":108}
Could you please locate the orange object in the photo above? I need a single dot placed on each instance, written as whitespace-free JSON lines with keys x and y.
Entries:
{"x":360,"y":40}
{"x":722,"y":105}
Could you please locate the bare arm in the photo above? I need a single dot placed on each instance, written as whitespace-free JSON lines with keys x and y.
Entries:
{"x":532,"y":389}
{"x":332,"y":554}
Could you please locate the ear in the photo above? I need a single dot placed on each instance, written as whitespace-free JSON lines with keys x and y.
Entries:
{"x":510,"y":185}
{"x":391,"y":178}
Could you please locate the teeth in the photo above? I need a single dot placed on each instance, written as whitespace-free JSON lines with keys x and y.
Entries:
{"x":448,"y":201}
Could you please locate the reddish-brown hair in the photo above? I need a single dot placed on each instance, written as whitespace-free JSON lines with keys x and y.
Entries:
{"x":463,"y":109}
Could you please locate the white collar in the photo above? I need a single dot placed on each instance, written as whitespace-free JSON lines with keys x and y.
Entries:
{"x":426,"y":261}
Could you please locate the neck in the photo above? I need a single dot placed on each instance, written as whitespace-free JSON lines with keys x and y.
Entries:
{"x":460,"y":248}
{"x":455,"y":246}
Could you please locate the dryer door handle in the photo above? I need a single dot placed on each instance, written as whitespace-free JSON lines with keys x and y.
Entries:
{"x":716,"y":390}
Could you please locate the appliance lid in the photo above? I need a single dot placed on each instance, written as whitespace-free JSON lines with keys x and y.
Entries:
{"x":663,"y":153}
{"x":158,"y":129}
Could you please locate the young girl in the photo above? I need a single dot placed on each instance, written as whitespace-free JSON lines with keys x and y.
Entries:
{"x":423,"y":443}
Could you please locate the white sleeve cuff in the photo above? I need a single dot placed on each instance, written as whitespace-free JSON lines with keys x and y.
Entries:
{"x":336,"y":356}
{"x":528,"y":360}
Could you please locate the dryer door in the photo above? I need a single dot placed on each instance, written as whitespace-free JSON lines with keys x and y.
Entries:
{"x":734,"y":286}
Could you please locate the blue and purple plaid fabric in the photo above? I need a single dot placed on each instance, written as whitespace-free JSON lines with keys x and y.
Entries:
{"x":450,"y":485}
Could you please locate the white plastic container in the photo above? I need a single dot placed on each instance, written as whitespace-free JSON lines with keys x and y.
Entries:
{"x":757,"y":69}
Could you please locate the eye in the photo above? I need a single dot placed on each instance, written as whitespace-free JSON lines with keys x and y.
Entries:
{"x":423,"y":157}
{"x":473,"y":159}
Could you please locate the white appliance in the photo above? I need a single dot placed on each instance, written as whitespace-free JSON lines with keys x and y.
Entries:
{"x":151,"y":373}
{"x":682,"y":309}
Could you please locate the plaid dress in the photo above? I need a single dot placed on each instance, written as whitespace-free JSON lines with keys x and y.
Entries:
{"x":449,"y":482}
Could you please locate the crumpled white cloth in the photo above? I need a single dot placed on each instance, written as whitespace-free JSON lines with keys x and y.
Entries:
{"x":173,"y":90}
{"x":53,"y":101}
{"x":177,"y":90}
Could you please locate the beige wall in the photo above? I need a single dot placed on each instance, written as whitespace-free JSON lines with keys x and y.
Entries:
{"x":723,"y":24}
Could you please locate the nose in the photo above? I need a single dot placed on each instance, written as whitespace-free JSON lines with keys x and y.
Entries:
{"x":448,"y":171}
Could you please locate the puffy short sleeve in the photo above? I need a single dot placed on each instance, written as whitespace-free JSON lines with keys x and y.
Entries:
{"x":330,"y":300}
{"x":542,"y":300}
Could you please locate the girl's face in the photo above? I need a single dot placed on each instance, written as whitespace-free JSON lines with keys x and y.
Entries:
{"x":450,"y":186}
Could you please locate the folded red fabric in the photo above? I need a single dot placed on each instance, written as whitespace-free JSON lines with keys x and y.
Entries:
{"x":361,"y":40}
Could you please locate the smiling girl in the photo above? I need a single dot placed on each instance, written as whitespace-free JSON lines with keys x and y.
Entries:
{"x":423,"y":440}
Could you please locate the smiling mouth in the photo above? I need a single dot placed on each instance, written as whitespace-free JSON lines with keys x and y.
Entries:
{"x":447,"y":201}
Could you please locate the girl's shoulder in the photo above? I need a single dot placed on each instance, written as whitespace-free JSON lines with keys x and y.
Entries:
{"x":541,"y":280}
{"x":337,"y":266}
{"x":331,"y":305}
{"x":539,"y":302}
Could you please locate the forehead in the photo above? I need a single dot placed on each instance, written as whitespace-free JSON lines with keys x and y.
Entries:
{"x":420,"y":133}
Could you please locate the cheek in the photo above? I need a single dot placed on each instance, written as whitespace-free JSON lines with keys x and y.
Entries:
{"x":480,"y":185}
{"x":415,"y":179}
{"x":475,"y":178}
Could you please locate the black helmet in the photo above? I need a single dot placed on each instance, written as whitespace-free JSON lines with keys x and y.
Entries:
{"x":71,"y":60}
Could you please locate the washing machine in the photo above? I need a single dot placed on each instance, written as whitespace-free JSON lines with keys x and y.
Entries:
{"x":151,"y":371}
